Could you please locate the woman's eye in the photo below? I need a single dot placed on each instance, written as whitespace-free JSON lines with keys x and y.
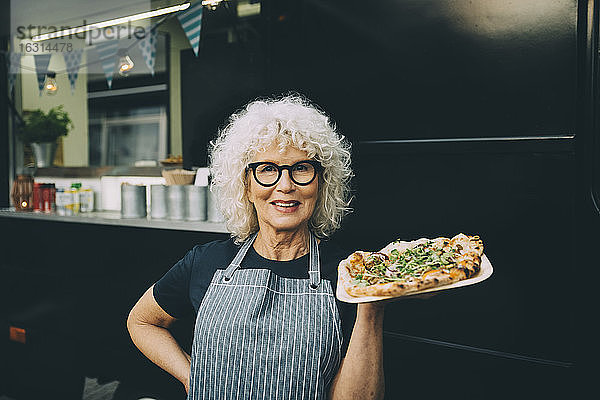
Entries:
{"x":266,"y":168}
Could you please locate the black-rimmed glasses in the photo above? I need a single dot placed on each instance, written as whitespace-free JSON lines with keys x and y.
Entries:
{"x":301,"y":173}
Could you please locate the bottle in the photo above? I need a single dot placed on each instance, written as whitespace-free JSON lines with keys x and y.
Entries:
{"x":48,"y":195}
{"x":52,"y":197}
{"x":75,"y":187}
{"x":86,"y":200}
{"x":62,"y":200}
{"x":69,"y":194}
{"x":37,"y":197}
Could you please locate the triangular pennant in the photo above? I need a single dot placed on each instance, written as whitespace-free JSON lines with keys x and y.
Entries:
{"x":107,"y":52}
{"x":148,"y":47}
{"x":14,"y":65}
{"x":191,"y":22}
{"x":41,"y":68}
{"x":73,"y":61}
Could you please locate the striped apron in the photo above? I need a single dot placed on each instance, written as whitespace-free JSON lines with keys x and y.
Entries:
{"x":261,"y":336}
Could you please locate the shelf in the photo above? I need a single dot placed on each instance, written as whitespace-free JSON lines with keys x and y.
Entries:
{"x":114,"y":218}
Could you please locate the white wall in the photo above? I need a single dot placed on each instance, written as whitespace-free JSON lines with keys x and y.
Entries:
{"x":75,"y":144}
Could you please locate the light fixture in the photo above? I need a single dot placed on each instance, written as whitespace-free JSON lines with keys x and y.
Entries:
{"x":125,"y":63}
{"x":111,"y":22}
{"x":211,"y":4}
{"x":50,"y":86}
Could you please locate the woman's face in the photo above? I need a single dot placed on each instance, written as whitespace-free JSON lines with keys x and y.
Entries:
{"x":285,"y":206}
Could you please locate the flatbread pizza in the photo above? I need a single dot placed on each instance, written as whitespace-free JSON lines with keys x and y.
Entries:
{"x":401,"y":267}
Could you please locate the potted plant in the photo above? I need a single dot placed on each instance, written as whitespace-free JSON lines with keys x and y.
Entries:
{"x":41,"y":130}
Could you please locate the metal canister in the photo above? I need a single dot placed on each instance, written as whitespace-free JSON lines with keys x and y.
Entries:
{"x":37,"y":197}
{"x":86,"y":200}
{"x":176,"y":201}
{"x":195,"y":202}
{"x":212,"y":212}
{"x":158,"y":201}
{"x":133,"y":201}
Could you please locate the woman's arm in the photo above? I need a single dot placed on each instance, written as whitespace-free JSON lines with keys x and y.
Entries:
{"x":361,"y":373}
{"x":148,"y":327}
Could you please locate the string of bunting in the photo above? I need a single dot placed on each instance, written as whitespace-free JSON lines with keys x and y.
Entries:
{"x":191,"y":23}
{"x":41,"y":69}
{"x":73,"y":62}
{"x":148,"y":48}
{"x":106,"y":52}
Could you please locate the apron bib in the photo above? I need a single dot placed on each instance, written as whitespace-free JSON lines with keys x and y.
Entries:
{"x":261,"y":336}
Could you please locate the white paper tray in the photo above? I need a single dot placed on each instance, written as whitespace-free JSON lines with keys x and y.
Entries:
{"x":485,"y":272}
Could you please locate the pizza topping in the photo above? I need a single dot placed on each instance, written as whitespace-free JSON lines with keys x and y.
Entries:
{"x":412,"y":263}
{"x":376,"y":259}
{"x":415,"y":263}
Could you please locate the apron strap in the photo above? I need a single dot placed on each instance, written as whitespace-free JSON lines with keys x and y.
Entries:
{"x":314,"y":268}
{"x":237,"y":260}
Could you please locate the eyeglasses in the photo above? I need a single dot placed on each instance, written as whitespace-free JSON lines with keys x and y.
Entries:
{"x":268,"y":174}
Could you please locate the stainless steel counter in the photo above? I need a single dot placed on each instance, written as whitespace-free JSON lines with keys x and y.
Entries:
{"x":114,"y":218}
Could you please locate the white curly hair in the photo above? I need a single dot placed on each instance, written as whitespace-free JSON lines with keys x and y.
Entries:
{"x":287,"y":121}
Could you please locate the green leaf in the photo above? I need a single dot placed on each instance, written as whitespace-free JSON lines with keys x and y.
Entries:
{"x":45,"y":127}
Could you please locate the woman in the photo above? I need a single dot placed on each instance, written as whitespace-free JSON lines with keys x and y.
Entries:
{"x":268,"y":324}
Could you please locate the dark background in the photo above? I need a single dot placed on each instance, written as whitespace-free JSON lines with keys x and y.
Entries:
{"x":392,"y":69}
{"x":465,"y":116}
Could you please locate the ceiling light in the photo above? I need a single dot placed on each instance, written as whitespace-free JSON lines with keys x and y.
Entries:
{"x":211,"y":4}
{"x":125,"y":63}
{"x":50,"y":86}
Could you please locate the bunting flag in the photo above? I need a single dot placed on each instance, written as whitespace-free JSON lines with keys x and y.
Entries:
{"x":107,"y":52}
{"x":191,"y":22}
{"x":41,"y":68}
{"x":14,"y":65}
{"x":73,"y":61}
{"x":148,"y":47}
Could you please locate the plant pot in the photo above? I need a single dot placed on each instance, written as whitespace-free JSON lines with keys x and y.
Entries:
{"x":44,"y":153}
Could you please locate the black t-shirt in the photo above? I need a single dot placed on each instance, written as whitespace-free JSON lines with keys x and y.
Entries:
{"x":181,"y":290}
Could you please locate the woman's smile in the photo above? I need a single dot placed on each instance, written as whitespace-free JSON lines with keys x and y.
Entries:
{"x":286,"y":206}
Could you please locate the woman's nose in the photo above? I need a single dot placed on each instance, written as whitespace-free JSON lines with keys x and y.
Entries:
{"x":285,"y":183}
